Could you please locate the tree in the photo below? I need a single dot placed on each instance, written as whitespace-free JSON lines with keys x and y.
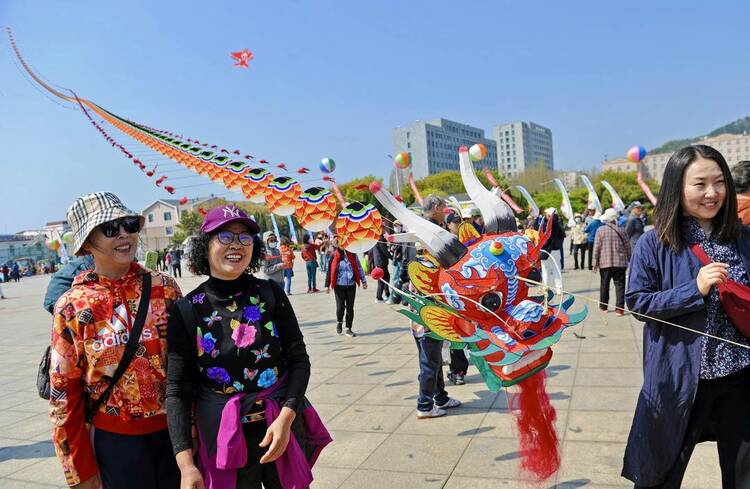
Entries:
{"x":190,"y":224}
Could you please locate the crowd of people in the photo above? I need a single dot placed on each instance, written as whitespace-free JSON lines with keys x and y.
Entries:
{"x":149,"y":388}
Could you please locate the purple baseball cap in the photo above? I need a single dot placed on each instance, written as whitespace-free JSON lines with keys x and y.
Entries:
{"x":219,"y":216}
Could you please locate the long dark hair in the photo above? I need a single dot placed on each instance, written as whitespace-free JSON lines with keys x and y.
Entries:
{"x":668,"y":211}
{"x":198,"y":255}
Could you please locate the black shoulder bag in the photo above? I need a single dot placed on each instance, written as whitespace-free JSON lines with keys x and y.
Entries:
{"x":130,"y":349}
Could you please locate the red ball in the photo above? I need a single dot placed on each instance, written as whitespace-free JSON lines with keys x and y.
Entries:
{"x":377,"y":273}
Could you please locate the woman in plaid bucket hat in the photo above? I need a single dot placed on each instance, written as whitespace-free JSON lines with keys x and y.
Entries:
{"x":105,"y":433}
{"x":239,"y":368}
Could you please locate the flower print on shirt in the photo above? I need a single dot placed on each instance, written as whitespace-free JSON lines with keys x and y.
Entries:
{"x":271,"y":326}
{"x":243,"y":335}
{"x":251,"y":314}
{"x":250,"y":374}
{"x":198,"y":298}
{"x":267,"y":378}
{"x":237,"y":385}
{"x":219,"y":375}
{"x":206,"y":343}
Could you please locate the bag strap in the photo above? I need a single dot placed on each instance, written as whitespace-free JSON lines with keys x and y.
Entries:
{"x":697,"y":250}
{"x":132,"y":345}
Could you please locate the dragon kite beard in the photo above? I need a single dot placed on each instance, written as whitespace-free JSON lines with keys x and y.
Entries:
{"x":535,"y":419}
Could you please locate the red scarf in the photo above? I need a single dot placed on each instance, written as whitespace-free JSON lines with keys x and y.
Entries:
{"x":335,"y":264}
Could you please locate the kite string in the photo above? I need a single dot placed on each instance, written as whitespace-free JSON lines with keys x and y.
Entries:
{"x":591,"y":299}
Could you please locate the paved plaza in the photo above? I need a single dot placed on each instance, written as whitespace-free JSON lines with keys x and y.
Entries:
{"x":365,"y":388}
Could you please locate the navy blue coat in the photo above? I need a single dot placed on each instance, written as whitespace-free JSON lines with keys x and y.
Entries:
{"x":662,"y":285}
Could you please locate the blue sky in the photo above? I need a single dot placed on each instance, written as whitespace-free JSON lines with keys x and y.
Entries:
{"x":333,"y":78}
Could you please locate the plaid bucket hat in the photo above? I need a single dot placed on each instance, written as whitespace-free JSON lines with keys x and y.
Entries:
{"x":87,"y":212}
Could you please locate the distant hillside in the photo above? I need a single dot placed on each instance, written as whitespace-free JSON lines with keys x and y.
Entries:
{"x":737,"y":127}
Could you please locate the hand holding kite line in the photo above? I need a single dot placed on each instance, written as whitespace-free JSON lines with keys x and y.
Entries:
{"x":242,"y":58}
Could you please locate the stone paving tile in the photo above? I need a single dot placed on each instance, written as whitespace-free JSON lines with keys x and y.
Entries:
{"x":405,"y":453}
{"x":604,"y":398}
{"x":602,"y":462}
{"x":601,"y":377}
{"x":460,"y":421}
{"x":379,"y":479}
{"x":610,"y":426}
{"x":350,"y":448}
{"x":378,"y":419}
{"x":329,"y":477}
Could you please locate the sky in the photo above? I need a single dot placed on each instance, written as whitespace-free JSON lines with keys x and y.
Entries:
{"x":333,"y":78}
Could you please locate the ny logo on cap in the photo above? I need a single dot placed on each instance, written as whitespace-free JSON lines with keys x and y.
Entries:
{"x":231,"y":211}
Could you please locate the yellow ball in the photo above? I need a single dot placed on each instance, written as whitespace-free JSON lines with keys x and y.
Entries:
{"x":496,"y":248}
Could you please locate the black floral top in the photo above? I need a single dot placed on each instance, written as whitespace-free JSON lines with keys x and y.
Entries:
{"x":719,"y":358}
{"x":244,"y":338}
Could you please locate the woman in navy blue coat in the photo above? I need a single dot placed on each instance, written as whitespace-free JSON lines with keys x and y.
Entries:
{"x":695,"y":387}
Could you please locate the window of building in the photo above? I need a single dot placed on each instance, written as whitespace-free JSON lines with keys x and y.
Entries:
{"x":167,"y":216}
{"x":150,"y":218}
{"x":169,"y":231}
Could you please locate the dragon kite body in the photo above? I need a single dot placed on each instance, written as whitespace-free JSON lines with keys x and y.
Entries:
{"x":474,"y":290}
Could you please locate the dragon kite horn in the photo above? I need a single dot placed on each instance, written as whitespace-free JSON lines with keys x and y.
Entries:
{"x":498,"y":216}
{"x":445,"y":247}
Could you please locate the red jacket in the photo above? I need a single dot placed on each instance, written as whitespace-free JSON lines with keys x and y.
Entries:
{"x":334,"y":265}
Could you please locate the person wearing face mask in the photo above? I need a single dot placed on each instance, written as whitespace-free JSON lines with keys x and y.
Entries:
{"x":273,"y":264}
{"x":237,"y":354}
{"x":695,"y":387}
{"x":108,"y":358}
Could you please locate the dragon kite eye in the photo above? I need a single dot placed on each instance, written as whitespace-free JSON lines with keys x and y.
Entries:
{"x":492,"y":301}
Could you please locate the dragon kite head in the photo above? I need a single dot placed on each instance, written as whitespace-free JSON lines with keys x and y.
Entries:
{"x":474,"y":289}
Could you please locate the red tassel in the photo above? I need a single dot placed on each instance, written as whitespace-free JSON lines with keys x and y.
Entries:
{"x":169,"y":189}
{"x":183,"y":201}
{"x":535,"y":418}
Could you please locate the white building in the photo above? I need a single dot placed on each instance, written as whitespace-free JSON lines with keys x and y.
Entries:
{"x":434,"y":144}
{"x":162,"y":217}
{"x":521,"y":145}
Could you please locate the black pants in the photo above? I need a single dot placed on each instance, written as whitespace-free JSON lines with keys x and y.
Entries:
{"x":459,"y":362}
{"x":177,"y":270}
{"x":254,"y":473}
{"x":720,"y":407}
{"x":382,"y":287}
{"x":345,"y":302}
{"x":142,"y":461}
{"x":618,"y":275}
{"x":579,"y":248}
{"x":590,"y":248}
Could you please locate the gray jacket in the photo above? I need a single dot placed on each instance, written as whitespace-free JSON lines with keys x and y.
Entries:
{"x":273,"y":267}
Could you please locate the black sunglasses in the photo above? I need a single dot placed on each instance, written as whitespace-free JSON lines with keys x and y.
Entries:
{"x":130,"y":224}
{"x":227,"y":237}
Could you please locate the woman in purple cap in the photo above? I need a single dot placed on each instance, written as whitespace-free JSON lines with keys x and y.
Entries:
{"x":237,"y":354}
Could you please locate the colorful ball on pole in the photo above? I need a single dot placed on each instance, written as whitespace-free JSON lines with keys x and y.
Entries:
{"x":636,"y":153}
{"x":327,"y":165}
{"x":68,"y":237}
{"x":53,"y":244}
{"x":478,"y":152}
{"x":359,"y":227}
{"x":316,"y":209}
{"x":402,"y":160}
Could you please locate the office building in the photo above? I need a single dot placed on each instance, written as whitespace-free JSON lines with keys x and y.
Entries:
{"x":522,"y":145}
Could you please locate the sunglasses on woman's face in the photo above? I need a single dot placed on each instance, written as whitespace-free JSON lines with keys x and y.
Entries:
{"x":130,"y":224}
{"x":227,"y":237}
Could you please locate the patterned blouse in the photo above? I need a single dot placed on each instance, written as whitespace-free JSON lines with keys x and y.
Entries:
{"x":241,"y":342}
{"x":719,"y":358}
